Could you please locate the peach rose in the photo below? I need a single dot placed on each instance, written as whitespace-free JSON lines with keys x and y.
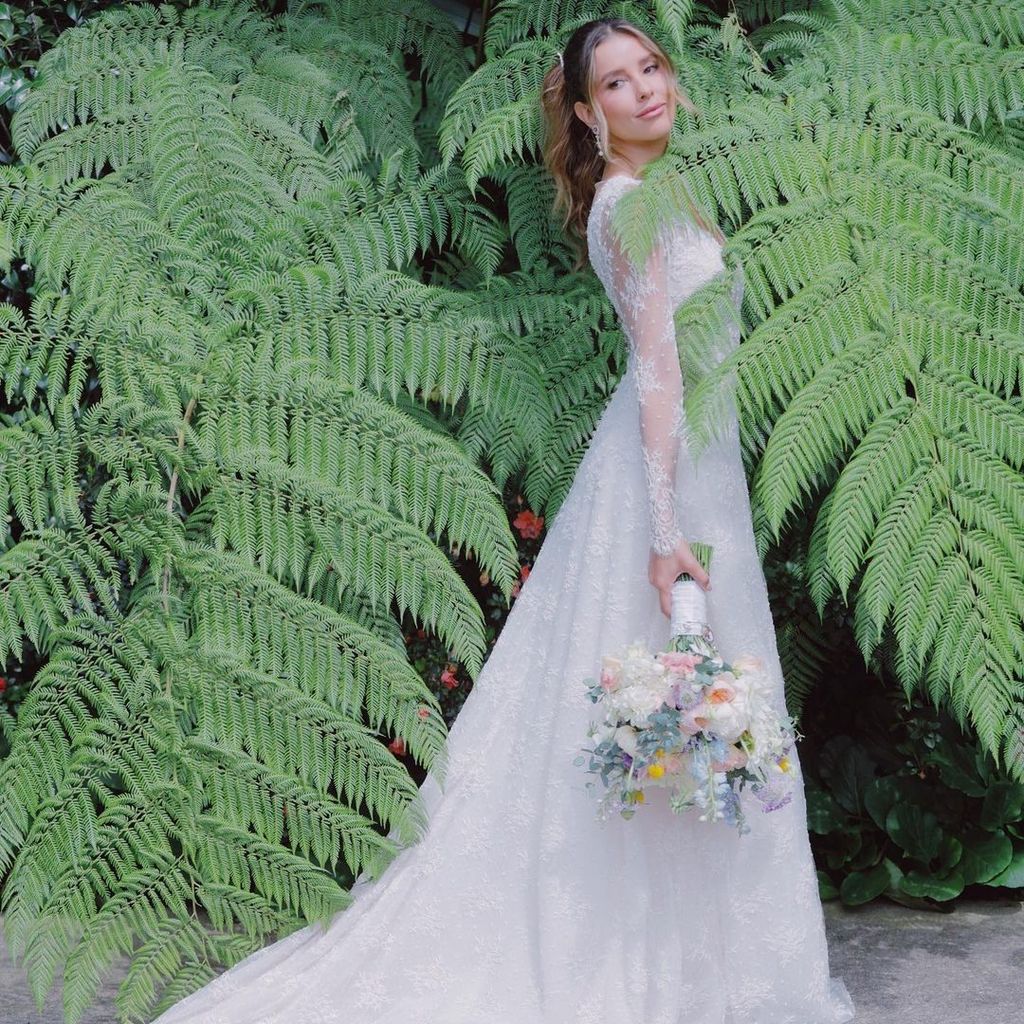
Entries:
{"x":693,"y":720}
{"x":721,"y":692}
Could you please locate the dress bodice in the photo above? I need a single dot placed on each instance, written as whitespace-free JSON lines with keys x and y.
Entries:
{"x":694,"y":255}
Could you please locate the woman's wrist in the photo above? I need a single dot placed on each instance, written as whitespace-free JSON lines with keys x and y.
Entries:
{"x":666,"y":545}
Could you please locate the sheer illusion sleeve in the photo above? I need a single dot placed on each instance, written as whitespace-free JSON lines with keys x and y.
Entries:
{"x":642,"y":299}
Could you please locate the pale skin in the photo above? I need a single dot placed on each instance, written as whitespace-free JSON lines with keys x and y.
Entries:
{"x":630,"y":80}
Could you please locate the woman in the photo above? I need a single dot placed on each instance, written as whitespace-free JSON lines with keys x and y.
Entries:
{"x":518,"y":906}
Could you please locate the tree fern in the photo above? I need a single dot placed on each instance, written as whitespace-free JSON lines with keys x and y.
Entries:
{"x":230,"y":481}
{"x":961,"y":62}
{"x":872,"y":182}
{"x":275,"y":328}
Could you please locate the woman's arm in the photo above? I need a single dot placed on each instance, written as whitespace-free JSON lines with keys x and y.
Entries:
{"x":642,"y":299}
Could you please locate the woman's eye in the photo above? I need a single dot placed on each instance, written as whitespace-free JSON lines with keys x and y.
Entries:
{"x":615,"y":81}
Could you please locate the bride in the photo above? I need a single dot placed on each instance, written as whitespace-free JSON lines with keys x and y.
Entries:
{"x":518,"y":906}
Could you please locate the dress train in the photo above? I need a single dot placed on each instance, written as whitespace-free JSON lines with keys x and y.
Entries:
{"x":518,"y":906}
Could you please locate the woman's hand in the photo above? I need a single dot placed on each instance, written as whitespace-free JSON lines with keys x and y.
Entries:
{"x":664,"y":570}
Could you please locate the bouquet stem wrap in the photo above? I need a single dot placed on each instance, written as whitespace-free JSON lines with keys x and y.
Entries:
{"x":689,"y":623}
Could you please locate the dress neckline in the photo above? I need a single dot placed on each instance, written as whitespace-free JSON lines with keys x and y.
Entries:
{"x":604,"y":181}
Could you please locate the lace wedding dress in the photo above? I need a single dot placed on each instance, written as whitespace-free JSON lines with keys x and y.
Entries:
{"x":518,"y":906}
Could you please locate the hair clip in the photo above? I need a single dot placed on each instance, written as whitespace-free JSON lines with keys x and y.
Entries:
{"x":561,"y":63}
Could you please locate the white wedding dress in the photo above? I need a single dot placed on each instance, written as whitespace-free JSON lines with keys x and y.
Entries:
{"x":518,"y":906}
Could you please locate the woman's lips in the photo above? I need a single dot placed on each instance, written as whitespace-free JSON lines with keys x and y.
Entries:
{"x":653,"y":112}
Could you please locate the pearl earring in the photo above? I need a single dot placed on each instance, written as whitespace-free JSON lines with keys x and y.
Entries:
{"x":597,"y":141}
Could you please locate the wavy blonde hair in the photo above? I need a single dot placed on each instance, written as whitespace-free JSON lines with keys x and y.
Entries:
{"x":571,"y":152}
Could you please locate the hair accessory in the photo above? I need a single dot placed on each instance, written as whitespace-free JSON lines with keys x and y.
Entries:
{"x":561,"y":63}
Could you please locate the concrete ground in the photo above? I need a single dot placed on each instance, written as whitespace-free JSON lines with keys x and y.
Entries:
{"x":901,"y":967}
{"x":921,"y":967}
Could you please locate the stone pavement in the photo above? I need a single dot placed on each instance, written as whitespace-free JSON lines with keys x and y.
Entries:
{"x":922,"y":967}
{"x":901,"y":967}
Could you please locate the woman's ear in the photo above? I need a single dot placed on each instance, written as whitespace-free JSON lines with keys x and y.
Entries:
{"x":584,"y":113}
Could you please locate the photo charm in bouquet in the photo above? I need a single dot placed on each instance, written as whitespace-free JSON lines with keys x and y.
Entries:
{"x":687,"y":721}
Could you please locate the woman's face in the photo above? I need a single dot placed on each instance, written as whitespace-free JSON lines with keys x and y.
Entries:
{"x":632,"y":89}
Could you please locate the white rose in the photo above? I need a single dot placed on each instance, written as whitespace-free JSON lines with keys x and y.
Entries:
{"x":746,"y":664}
{"x":639,"y":702}
{"x":625,"y":736}
{"x":728,"y":720}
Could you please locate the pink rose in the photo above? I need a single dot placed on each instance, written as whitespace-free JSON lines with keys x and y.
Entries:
{"x":679,"y":662}
{"x":734,"y":758}
{"x":610,"y":668}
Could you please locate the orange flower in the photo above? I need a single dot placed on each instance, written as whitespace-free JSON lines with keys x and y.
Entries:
{"x":528,"y":523}
{"x":397,"y":746}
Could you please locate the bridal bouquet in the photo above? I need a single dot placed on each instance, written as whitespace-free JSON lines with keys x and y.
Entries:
{"x":685,"y":720}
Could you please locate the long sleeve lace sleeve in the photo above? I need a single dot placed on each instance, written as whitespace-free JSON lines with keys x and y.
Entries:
{"x":642,"y":299}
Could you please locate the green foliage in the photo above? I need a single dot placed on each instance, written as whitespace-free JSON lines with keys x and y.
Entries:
{"x":872,"y":184}
{"x":904,"y":805}
{"x":229,"y":479}
{"x":959,"y":61}
{"x":27,"y":29}
{"x":276,"y":326}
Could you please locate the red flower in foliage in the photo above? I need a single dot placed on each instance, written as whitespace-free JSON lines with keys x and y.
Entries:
{"x":3,"y":684}
{"x":528,"y":524}
{"x":423,"y":712}
{"x":448,"y":677}
{"x":524,"y":575}
{"x":397,"y":746}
